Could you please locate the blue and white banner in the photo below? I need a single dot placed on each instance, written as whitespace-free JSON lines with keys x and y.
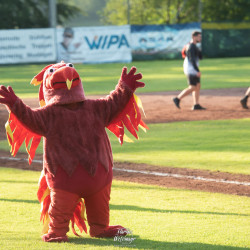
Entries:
{"x":94,"y":44}
{"x":27,"y":46}
{"x":160,"y":41}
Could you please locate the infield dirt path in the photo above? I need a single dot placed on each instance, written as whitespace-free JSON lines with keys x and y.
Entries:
{"x":159,"y":108}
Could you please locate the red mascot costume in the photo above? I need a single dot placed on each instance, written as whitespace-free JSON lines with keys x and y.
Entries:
{"x":77,"y":160}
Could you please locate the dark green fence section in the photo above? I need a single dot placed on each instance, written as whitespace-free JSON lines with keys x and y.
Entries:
{"x":226,"y":39}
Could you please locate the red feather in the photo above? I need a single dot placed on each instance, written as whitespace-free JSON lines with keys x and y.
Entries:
{"x":42,"y":187}
{"x":130,"y":117}
{"x":77,"y":219}
{"x":17,"y":134}
{"x":45,"y":207}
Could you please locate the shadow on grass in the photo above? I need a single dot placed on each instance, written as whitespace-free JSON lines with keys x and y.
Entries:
{"x":137,"y":208}
{"x":138,"y":243}
{"x":21,"y":201}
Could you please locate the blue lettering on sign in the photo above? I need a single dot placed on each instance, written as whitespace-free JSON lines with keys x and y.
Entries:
{"x":107,"y":41}
{"x":113,"y":40}
{"x":123,"y":41}
{"x":94,"y":44}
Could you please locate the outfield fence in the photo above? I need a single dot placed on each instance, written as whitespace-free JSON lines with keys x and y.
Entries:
{"x":104,"y":44}
{"x":94,"y":44}
{"x":226,"y":39}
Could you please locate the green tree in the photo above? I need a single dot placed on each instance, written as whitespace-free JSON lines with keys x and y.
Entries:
{"x":174,"y":11}
{"x":89,"y":15}
{"x":226,"y":10}
{"x":66,"y":11}
{"x":16,"y":14}
{"x":150,"y":11}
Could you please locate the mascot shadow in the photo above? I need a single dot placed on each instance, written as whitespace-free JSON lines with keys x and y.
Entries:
{"x":139,"y":243}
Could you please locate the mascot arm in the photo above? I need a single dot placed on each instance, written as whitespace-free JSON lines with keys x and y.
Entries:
{"x":109,"y":108}
{"x":32,"y":120}
{"x":24,"y":124}
{"x":120,"y":109}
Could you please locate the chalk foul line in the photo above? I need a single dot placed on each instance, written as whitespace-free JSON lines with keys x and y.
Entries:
{"x":179,"y":176}
{"x":183,"y":176}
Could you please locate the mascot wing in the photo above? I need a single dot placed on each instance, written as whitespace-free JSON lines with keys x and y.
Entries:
{"x":17,"y":134}
{"x":130,"y":118}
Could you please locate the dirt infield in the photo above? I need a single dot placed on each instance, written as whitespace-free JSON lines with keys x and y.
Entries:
{"x":159,"y":108}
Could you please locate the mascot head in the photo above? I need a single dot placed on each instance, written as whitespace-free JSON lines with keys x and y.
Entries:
{"x":60,"y":84}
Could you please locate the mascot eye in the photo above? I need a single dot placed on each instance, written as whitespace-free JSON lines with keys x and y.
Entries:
{"x":70,"y":65}
{"x":52,"y":70}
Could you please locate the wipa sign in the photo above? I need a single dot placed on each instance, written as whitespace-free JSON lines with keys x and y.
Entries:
{"x":94,"y":44}
{"x":107,"y":41}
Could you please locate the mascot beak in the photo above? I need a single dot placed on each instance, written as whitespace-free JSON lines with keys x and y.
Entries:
{"x":69,"y":84}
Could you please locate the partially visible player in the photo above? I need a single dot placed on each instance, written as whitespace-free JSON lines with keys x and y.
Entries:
{"x":243,"y":101}
{"x":191,"y":70}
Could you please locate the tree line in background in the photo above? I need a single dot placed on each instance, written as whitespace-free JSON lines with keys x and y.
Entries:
{"x":20,"y":14}
{"x":34,"y":13}
{"x":175,"y":11}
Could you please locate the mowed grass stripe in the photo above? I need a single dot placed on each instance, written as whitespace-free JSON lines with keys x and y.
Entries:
{"x":158,"y":75}
{"x":221,"y":145}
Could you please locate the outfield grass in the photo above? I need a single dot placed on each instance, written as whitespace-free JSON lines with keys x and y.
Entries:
{"x":158,"y":75}
{"x":212,"y":145}
{"x":221,"y":145}
{"x":159,"y":218}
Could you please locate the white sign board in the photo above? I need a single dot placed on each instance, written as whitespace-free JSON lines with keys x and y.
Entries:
{"x":27,"y":45}
{"x":94,"y":44}
{"x":161,"y":41}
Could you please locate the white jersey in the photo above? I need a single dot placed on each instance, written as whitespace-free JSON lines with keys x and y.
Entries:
{"x":189,"y":68}
{"x":191,"y":61}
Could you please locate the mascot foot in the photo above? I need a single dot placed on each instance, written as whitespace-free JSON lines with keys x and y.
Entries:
{"x":113,"y":231}
{"x":52,"y":237}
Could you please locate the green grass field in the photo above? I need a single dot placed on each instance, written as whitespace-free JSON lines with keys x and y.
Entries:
{"x":217,"y":146}
{"x":210,"y":145}
{"x":158,"y":75}
{"x":159,"y":218}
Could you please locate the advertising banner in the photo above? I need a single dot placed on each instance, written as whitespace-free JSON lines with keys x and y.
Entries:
{"x":94,"y":44}
{"x":102,"y":44}
{"x":160,"y":41}
{"x":27,"y":46}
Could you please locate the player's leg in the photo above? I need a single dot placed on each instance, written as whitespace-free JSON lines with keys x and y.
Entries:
{"x":244,"y":100}
{"x":248,"y":92}
{"x":184,"y":92}
{"x":196,"y":93}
